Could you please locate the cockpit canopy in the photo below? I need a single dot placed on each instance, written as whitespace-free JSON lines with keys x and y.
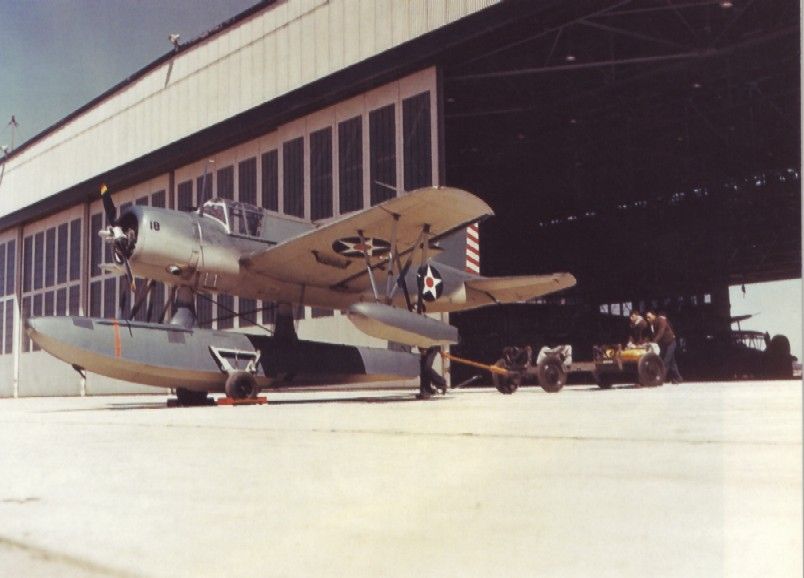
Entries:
{"x":237,"y":218}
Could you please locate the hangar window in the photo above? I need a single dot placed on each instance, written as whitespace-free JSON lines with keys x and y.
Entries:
{"x":96,"y":244}
{"x":270,"y":180}
{"x":95,"y":299}
{"x":2,"y":269}
{"x":142,"y":201}
{"x":27,"y":260}
{"x":158,"y":199}
{"x":26,"y":312}
{"x":382,"y":157}
{"x":248,"y":311}
{"x":110,"y":297}
{"x":321,"y":174}
{"x":203,"y":309}
{"x":247,"y":181}
{"x":204,"y":188}
{"x":11,"y":267}
{"x":9,"y":341}
{"x":350,"y":164}
{"x":293,"y":181}
{"x":38,"y":261}
{"x":225,"y":311}
{"x":75,"y":249}
{"x":49,"y":304}
{"x":184,"y":196}
{"x":61,"y":301}
{"x":226,"y":183}
{"x":50,"y":257}
{"x":418,"y":157}
{"x":62,"y":253}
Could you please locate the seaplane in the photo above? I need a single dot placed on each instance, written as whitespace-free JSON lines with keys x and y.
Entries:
{"x":379,"y":266}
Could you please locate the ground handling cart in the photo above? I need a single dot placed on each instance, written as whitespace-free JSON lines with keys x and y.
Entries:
{"x":614,"y":363}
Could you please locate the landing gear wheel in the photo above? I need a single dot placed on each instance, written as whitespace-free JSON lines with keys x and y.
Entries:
{"x":189,"y":397}
{"x":506,"y":384}
{"x":603,"y":380}
{"x":551,"y":375}
{"x":650,"y":370}
{"x":241,"y":385}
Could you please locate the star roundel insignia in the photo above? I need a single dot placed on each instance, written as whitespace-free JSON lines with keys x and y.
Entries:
{"x":430,"y":283}
{"x":355,"y":247}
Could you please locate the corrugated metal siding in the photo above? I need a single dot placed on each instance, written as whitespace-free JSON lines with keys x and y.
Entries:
{"x":278,"y":50}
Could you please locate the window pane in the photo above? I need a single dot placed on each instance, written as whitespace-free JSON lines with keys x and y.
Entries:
{"x":142,"y":201}
{"x":320,"y":312}
{"x":247,"y":181}
{"x":184,"y":200}
{"x":27,"y":263}
{"x":110,"y":298}
{"x":203,"y":308}
{"x":225,"y":311}
{"x":293,"y":165}
{"x":158,"y":199}
{"x":226,"y":183}
{"x":382,"y":153}
{"x":96,"y":244}
{"x":75,"y":300}
{"x":321,"y":174}
{"x":38,"y":260}
{"x":3,"y":268}
{"x":26,"y":312}
{"x":50,"y":257}
{"x":350,"y":164}
{"x":203,"y":185}
{"x":9,"y":341}
{"x":418,"y":154}
{"x":49,"y":304}
{"x":61,"y":301}
{"x":95,"y":303}
{"x":248,"y":313}
{"x":11,"y":270}
{"x":268,"y":312}
{"x":270,"y":180}
{"x":62,"y":253}
{"x":75,"y":249}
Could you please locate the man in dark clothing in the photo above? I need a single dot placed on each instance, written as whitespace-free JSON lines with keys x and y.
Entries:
{"x":638,"y":327}
{"x":663,"y":335}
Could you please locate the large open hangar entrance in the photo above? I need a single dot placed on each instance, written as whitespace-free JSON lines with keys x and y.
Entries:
{"x":649,"y":147}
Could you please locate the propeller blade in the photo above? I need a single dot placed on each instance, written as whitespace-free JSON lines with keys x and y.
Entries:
{"x":108,"y":205}
{"x":142,"y":294}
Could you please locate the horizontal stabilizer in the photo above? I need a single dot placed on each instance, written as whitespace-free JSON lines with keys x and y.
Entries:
{"x":518,"y":288}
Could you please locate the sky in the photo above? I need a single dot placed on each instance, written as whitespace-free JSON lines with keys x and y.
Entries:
{"x":776,"y":307}
{"x":57,"y":55}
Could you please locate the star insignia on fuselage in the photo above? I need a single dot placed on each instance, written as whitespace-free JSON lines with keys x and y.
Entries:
{"x":430,"y":283}
{"x":357,"y":247}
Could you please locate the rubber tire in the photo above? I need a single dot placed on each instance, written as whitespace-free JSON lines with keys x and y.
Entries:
{"x":506,"y":384}
{"x":190,"y":397}
{"x":241,"y":385}
{"x":603,"y":380}
{"x":551,"y":375}
{"x":650,"y":370}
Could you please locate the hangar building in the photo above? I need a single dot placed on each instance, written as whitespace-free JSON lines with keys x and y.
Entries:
{"x":649,"y":147}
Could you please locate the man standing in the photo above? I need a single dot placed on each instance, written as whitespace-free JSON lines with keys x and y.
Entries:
{"x":639,"y":328}
{"x":663,"y":335}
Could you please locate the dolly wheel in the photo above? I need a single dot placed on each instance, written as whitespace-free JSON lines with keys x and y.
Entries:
{"x":240,"y":385}
{"x":650,"y":370}
{"x":506,"y":384}
{"x":551,"y":375}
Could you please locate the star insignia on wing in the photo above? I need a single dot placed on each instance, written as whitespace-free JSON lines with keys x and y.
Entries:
{"x":357,"y":247}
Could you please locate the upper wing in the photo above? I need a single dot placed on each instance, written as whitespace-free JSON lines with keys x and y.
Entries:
{"x":311,"y":259}
{"x":513,"y":289}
